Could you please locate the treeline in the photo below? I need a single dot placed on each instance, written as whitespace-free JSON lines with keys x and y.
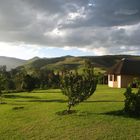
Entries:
{"x":21,"y":80}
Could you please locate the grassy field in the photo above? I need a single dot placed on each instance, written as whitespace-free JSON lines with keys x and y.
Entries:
{"x":32,"y":116}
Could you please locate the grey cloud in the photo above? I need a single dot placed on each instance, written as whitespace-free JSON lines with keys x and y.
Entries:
{"x":80,"y":23}
{"x":110,"y":13}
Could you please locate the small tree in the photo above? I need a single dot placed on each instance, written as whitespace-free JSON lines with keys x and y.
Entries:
{"x":132,"y":101}
{"x":1,"y":85}
{"x":78,"y":87}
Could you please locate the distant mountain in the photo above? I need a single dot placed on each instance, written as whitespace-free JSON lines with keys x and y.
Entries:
{"x":33,"y":59}
{"x":11,"y":62}
{"x":101,"y":63}
{"x":58,"y":63}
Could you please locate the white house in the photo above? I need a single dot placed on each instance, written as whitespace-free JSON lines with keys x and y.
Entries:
{"x":123,"y":73}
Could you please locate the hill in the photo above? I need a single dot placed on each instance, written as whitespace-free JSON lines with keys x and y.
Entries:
{"x":11,"y":62}
{"x":101,"y":63}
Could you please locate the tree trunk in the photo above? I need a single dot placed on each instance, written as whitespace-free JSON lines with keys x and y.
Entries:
{"x":69,"y":107}
{"x":0,"y":99}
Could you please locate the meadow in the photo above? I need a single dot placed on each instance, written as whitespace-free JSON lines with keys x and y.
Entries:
{"x":34,"y":116}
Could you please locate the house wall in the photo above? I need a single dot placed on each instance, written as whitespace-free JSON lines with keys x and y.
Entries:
{"x":119,"y":81}
{"x":112,"y":83}
{"x":122,"y":81}
{"x":127,"y":79}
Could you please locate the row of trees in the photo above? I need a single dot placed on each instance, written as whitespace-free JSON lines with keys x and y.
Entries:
{"x":20,"y":79}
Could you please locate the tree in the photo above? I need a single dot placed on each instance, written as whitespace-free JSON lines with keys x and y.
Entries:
{"x":2,"y":77}
{"x":9,"y":84}
{"x":78,"y":88}
{"x":0,"y":92}
{"x":1,"y":86}
{"x":28,"y":83}
{"x":132,"y":100}
{"x":18,"y":77}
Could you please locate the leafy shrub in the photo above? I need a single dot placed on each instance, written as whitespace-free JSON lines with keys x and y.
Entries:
{"x":132,"y":101}
{"x":78,"y":87}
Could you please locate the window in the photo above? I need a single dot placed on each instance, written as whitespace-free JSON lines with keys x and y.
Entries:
{"x":111,"y":78}
{"x":115,"y":77}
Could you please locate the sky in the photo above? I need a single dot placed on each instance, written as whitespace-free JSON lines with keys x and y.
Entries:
{"x":53,"y":28}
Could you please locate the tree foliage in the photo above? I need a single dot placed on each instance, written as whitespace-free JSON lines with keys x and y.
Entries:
{"x":28,"y":83}
{"x":20,"y":80}
{"x":2,"y":78}
{"x":1,"y":83}
{"x":78,"y":87}
{"x":132,"y":101}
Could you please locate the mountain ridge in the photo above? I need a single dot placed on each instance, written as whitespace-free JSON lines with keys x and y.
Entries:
{"x":11,"y":62}
{"x":59,"y":63}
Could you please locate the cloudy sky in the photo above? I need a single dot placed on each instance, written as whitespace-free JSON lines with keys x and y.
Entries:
{"x":50,"y":28}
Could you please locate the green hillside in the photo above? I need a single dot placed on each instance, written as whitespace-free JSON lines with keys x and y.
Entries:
{"x":101,"y":63}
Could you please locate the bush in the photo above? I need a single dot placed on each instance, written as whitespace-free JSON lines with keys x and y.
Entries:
{"x":132,"y":101}
{"x":78,"y":87}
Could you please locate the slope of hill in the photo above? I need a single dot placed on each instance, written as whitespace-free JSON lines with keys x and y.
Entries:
{"x":101,"y":63}
{"x":33,"y":59}
{"x":11,"y":62}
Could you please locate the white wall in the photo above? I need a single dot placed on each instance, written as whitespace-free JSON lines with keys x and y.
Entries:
{"x":110,"y":83}
{"x":122,"y":81}
{"x":113,"y":83}
{"x":119,"y":81}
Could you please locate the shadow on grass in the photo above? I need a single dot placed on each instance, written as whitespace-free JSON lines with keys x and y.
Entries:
{"x":121,"y":113}
{"x":102,"y":101}
{"x":53,"y":100}
{"x":35,"y":99}
{"x":3,"y":103}
{"x":45,"y":91}
{"x":19,"y":96}
{"x":65,"y":112}
{"x":78,"y":113}
{"x":45,"y":100}
{"x":18,"y":108}
{"x":13,"y":104}
{"x":118,"y":113}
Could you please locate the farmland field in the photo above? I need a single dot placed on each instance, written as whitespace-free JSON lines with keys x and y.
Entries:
{"x":33,"y":116}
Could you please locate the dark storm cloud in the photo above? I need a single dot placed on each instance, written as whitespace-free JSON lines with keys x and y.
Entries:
{"x":110,"y":24}
{"x":117,"y":12}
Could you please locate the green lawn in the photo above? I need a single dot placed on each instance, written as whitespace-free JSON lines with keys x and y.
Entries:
{"x":32,"y":116}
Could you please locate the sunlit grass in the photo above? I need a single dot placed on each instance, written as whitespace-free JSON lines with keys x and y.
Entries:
{"x":33,"y":116}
